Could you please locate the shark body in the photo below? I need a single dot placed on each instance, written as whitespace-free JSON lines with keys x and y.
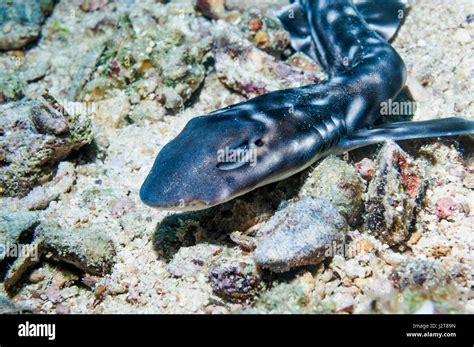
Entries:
{"x":275,"y":135}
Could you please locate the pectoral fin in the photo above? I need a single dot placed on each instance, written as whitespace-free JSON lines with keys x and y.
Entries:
{"x":405,"y":131}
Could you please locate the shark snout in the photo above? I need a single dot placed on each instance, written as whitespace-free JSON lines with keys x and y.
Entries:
{"x":157,"y":194}
{"x":183,"y":183}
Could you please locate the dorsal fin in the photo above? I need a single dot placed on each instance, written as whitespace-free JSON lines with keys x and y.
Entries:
{"x":384,"y":17}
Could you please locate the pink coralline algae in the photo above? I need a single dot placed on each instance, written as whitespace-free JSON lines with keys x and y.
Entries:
{"x":365,"y":167}
{"x":445,"y":207}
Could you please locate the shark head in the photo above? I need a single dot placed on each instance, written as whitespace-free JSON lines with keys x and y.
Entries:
{"x":226,"y":154}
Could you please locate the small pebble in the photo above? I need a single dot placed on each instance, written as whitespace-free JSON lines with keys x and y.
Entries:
{"x":61,"y":309}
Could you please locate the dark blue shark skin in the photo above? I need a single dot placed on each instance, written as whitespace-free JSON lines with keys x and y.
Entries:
{"x":288,"y":130}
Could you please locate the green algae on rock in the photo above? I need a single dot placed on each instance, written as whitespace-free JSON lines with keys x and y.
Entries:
{"x":336,"y":181}
{"x":11,"y":87}
{"x":283,"y":298}
{"x":16,"y":233}
{"x":20,"y":21}
{"x":86,"y":249}
{"x":293,"y":297}
{"x":165,"y":50}
{"x":424,"y":286}
{"x":35,"y":136}
{"x":15,"y":227}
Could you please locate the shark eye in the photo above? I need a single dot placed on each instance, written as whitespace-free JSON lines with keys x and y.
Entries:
{"x":232,"y":158}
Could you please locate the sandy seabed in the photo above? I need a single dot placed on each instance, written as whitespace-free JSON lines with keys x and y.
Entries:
{"x":436,"y":42}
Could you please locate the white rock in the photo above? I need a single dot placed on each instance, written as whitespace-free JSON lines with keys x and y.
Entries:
{"x":426,"y":308}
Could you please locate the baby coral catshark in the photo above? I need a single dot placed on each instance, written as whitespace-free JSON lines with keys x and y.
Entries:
{"x":288,"y":130}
